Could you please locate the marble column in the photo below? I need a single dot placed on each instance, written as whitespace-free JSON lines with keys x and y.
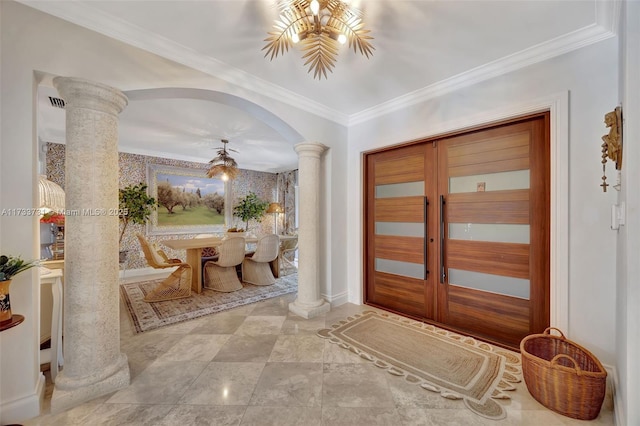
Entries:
{"x":309,"y":304}
{"x":93,"y":363}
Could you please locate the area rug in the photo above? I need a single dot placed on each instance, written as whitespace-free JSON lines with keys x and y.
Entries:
{"x":148,"y":316}
{"x":458,"y":367}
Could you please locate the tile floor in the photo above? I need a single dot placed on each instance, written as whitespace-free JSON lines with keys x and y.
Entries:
{"x":261,"y":365}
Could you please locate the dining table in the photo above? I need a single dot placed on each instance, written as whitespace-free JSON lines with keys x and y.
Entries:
{"x":194,"y":246}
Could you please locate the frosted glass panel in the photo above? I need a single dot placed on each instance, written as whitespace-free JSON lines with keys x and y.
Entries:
{"x":500,"y":233}
{"x":401,"y":229}
{"x":492,"y":182}
{"x":407,"y":269}
{"x":516,"y":287}
{"x":407,"y":189}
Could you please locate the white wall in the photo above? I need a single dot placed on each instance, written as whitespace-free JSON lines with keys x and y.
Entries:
{"x":628,"y":250}
{"x":590,"y":76}
{"x":33,"y":41}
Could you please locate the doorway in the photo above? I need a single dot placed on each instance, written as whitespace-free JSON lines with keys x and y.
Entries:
{"x":457,"y":229}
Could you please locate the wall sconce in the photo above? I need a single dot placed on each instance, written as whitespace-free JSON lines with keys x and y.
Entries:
{"x":612,"y":144}
{"x":275,"y":208}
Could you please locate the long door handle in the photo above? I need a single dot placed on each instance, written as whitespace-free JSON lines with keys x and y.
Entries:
{"x":426,"y":239}
{"x":443,"y":274}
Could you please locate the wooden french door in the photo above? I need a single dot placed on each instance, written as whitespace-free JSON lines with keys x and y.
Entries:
{"x":457,"y":230}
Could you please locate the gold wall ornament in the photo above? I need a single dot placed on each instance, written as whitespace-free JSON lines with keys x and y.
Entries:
{"x":320,"y":26}
{"x":612,"y":143}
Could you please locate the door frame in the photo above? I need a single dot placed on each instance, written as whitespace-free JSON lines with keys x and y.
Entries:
{"x":558,"y":106}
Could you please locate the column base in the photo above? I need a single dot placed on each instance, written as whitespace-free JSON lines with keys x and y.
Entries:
{"x":64,"y":399}
{"x":308,"y":312}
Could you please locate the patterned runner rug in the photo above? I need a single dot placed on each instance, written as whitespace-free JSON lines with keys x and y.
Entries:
{"x":458,"y":367}
{"x":148,"y":316}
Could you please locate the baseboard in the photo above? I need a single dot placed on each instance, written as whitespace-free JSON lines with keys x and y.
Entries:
{"x":26,"y":407}
{"x":618,"y":406}
{"x":336,"y":300}
{"x":129,"y":273}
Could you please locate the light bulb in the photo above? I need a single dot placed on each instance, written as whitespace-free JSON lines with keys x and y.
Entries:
{"x":342,"y":39}
{"x":295,"y":38}
{"x":315,"y":7}
{"x":225,"y":177}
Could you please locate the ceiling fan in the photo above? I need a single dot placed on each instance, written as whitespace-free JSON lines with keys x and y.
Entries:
{"x":223,"y":164}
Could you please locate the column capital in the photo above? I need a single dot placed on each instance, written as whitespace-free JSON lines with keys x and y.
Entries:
{"x":81,"y":93}
{"x":309,"y":149}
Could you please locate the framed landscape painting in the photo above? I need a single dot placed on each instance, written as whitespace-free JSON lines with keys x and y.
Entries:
{"x":188,"y":201}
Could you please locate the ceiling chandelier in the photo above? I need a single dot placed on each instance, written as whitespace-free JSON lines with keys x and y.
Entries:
{"x":320,"y":26}
{"x":223,"y":164}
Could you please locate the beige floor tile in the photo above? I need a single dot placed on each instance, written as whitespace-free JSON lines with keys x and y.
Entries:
{"x":260,"y":325}
{"x":302,"y":348}
{"x":289,"y":384}
{"x":224,"y":383}
{"x":127,"y":415}
{"x":282,"y":416}
{"x":192,"y":373}
{"x":352,"y":416}
{"x":246,"y":349}
{"x":162,"y":382}
{"x":355,"y":385}
{"x":203,"y":415}
{"x":196,"y":347}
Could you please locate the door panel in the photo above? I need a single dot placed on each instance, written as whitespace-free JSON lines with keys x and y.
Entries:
{"x":479,"y":262}
{"x":504,"y":282}
{"x":397,"y":258}
{"x":508,"y":259}
{"x":489,"y":207}
{"x":468,"y":311}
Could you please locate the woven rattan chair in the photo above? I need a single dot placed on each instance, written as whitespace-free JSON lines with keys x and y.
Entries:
{"x":221,"y":275}
{"x":256,"y":269}
{"x":288,"y":248}
{"x":177,"y":285}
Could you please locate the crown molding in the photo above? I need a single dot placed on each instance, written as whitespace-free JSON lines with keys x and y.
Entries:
{"x":80,"y":13}
{"x":538,"y":53}
{"x":607,"y":22}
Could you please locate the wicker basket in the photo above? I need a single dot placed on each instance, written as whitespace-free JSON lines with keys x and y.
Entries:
{"x":562,"y":375}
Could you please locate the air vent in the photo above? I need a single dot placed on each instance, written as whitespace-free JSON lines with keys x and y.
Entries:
{"x":56,"y":102}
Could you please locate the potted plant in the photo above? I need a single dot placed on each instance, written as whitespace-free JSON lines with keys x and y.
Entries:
{"x":250,"y":207}
{"x":135,"y":207}
{"x":9,"y":267}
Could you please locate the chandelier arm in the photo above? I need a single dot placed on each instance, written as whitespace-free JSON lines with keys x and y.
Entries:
{"x":357,"y":37}
{"x":279,"y":42}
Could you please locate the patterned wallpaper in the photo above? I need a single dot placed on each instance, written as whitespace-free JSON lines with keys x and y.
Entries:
{"x":133,"y":170}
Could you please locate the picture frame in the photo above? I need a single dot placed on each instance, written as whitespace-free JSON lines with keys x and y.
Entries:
{"x":189,"y":217}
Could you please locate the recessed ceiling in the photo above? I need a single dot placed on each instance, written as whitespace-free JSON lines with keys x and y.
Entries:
{"x":418,"y":45}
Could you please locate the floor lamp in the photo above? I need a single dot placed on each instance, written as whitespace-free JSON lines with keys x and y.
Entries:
{"x":275,"y":208}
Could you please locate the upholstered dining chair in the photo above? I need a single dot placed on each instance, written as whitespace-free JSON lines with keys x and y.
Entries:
{"x":256,"y":269}
{"x":288,"y":248}
{"x":177,"y":285}
{"x":221,"y":275}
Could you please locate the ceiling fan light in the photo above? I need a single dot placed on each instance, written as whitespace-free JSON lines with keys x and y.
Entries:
{"x":315,"y":7}
{"x":323,"y":25}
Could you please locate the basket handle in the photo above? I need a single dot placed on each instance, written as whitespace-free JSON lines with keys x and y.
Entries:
{"x":548,"y":331}
{"x":555,"y":359}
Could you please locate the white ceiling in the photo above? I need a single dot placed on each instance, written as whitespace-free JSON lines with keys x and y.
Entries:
{"x":421,"y":48}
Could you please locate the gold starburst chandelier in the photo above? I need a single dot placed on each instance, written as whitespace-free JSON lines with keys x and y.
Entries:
{"x":320,"y":26}
{"x":223,"y":164}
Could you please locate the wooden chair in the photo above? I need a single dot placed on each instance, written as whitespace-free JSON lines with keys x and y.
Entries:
{"x":256,"y":269}
{"x":288,"y":248}
{"x":220,"y":275}
{"x":177,"y":285}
